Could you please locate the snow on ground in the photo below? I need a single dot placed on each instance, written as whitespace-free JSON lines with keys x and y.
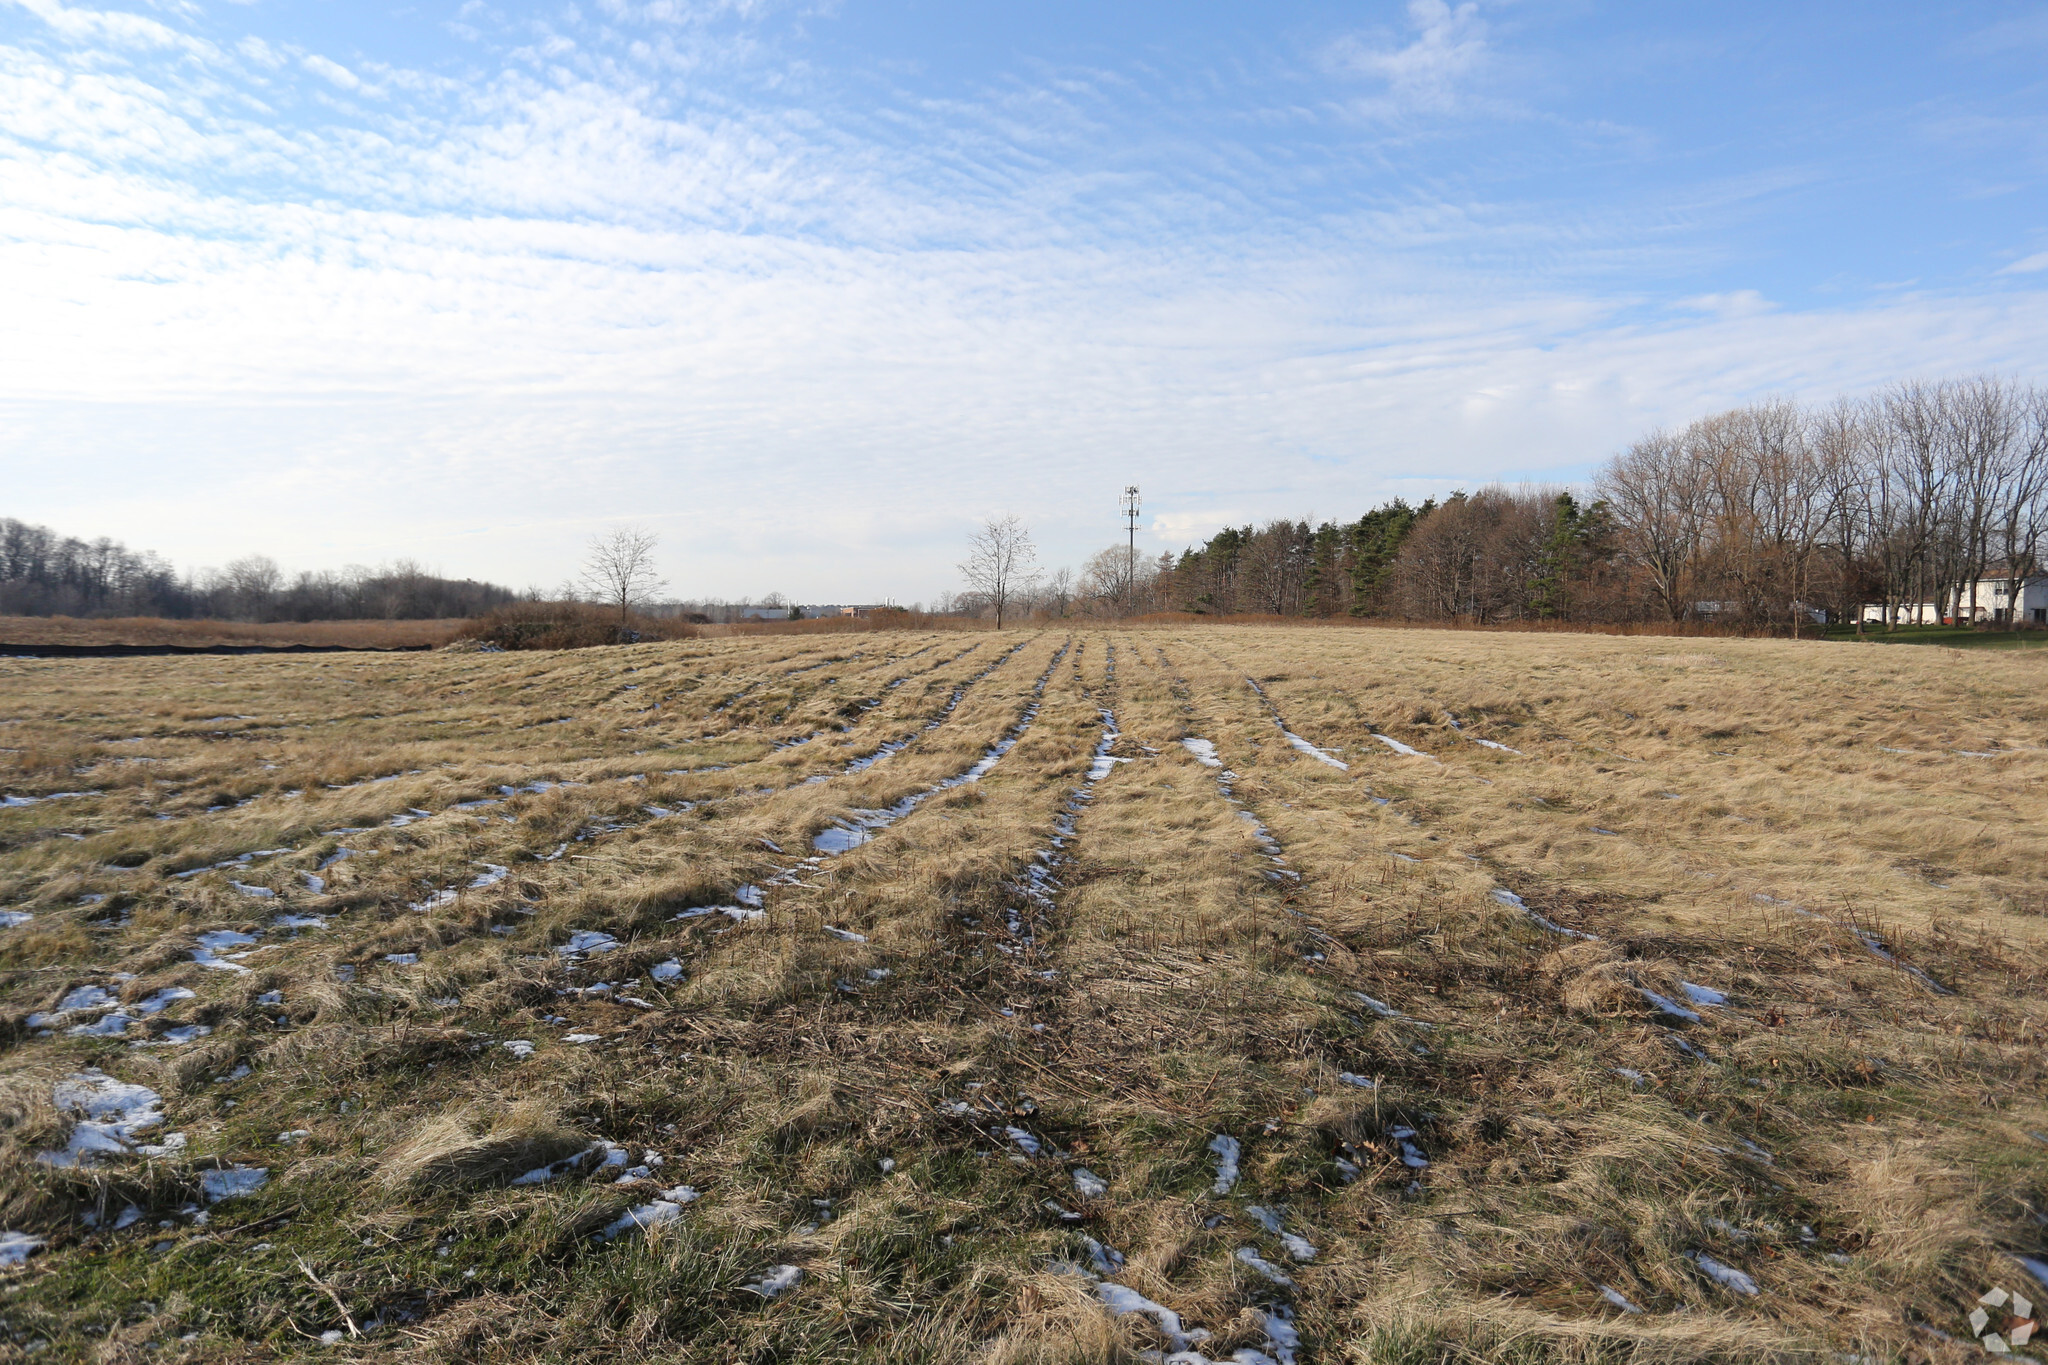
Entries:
{"x":111,"y":1117}
{"x":1227,"y":1152}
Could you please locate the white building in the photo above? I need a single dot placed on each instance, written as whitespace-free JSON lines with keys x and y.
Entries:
{"x":1986,"y":603}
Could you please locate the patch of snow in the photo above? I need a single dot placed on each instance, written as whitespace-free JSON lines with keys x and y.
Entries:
{"x":587,"y":941}
{"x":1107,"y":1260}
{"x":111,"y":1115}
{"x":1227,"y":1152}
{"x":1398,"y":747}
{"x":1024,"y":1140}
{"x":1103,"y":765}
{"x":1668,"y":1006}
{"x":518,"y":1047}
{"x":1361,"y":1082}
{"x":1614,"y":1297}
{"x":1089,"y":1185}
{"x":1320,"y":755}
{"x":14,"y":919}
{"x":1725,"y":1275}
{"x":212,"y":949}
{"x":109,"y":1026}
{"x":777,"y":1281}
{"x":1121,"y":1300}
{"x":401,"y":959}
{"x":1204,"y":752}
{"x":83,"y":998}
{"x":299,"y":922}
{"x":846,"y":934}
{"x":1702,"y":995}
{"x":1281,"y":1336}
{"x":662,"y":1211}
{"x":1251,"y":1257}
{"x":16,"y":1247}
{"x":162,"y":1000}
{"x":260,"y":892}
{"x":1381,"y":1008}
{"x":232,"y":1183}
{"x":670,"y":970}
{"x":1509,"y":898}
{"x":316,"y":885}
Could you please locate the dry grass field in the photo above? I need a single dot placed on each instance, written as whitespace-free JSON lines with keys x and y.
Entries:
{"x":157,"y":630}
{"x":1046,"y":996}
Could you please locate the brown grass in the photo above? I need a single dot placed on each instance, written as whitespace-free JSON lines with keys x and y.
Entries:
{"x":156,"y":630}
{"x":1864,"y":1148}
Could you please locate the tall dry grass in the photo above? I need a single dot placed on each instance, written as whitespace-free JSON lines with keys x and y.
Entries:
{"x":1863,"y":1148}
{"x":157,"y":630}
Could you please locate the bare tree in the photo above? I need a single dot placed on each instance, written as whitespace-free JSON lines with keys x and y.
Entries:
{"x":619,"y":569}
{"x":1001,"y":563}
{"x":253,"y":582}
{"x":1657,"y":490}
{"x":2023,"y":521}
{"x":1059,"y":592}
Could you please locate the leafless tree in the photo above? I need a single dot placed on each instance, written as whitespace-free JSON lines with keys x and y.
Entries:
{"x":619,"y":570}
{"x":252,"y":582}
{"x":1059,"y":592}
{"x":1657,"y":490}
{"x":1001,"y":563}
{"x":2023,"y":520}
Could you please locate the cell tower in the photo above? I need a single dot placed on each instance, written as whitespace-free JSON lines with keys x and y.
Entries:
{"x":1131,"y":548}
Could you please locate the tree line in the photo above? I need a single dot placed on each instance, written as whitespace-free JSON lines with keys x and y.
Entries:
{"x":1929,"y":499}
{"x":44,"y":573}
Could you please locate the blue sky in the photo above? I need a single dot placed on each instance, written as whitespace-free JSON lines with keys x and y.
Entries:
{"x":810,"y":288}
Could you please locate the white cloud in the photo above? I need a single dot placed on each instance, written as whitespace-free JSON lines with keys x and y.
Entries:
{"x":331,"y":71}
{"x":1430,"y":72}
{"x":496,"y":312}
{"x":260,"y":52}
{"x":1737,"y":303}
{"x":114,"y":27}
{"x":2027,"y":265}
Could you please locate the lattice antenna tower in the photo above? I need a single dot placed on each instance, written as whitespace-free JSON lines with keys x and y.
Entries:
{"x":1131,"y":544}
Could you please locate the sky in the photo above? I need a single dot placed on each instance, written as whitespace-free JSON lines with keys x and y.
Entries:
{"x":811,"y":288}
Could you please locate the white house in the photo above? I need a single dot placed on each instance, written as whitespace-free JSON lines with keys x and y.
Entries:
{"x":1986,"y":603}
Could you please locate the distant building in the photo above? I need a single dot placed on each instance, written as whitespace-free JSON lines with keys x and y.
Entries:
{"x":1986,"y":604}
{"x":812,"y":612}
{"x":841,"y":609}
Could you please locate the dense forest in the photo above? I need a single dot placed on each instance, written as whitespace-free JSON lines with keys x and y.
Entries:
{"x":43,"y":573}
